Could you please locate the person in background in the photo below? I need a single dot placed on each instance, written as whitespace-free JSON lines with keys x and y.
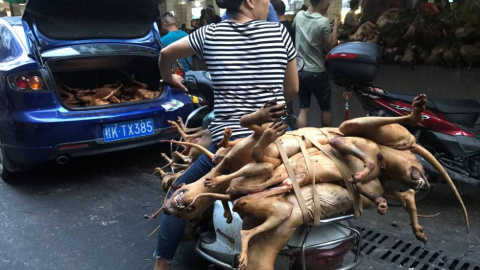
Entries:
{"x":184,"y":28}
{"x":314,"y":37}
{"x":371,"y":10}
{"x":227,"y":48}
{"x":212,"y":15}
{"x":271,"y":17}
{"x":203,"y":17}
{"x":279,"y":7}
{"x":350,"y":22}
{"x":170,"y":34}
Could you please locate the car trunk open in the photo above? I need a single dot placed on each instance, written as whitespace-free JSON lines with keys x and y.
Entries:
{"x":87,"y":82}
{"x":63,"y":23}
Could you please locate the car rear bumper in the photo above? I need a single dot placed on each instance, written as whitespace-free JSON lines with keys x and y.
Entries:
{"x":33,"y":137}
{"x":23,"y":158}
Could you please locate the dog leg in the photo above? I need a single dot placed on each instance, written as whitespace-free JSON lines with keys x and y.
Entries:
{"x":346,"y":146}
{"x":408,"y":200}
{"x":186,"y":137}
{"x":273,"y":132}
{"x":378,"y":200}
{"x":177,"y":156}
{"x":185,"y":128}
{"x":227,"y":134}
{"x":369,"y":124}
{"x":249,"y":170}
{"x":274,"y":210}
{"x":226,"y":212}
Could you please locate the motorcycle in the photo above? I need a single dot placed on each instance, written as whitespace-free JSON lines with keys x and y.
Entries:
{"x":449,"y":129}
{"x":310,"y":247}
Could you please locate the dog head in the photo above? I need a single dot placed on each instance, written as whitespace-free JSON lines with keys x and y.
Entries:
{"x":184,"y":203}
{"x":403,"y":167}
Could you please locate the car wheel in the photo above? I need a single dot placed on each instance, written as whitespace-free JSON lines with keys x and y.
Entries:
{"x":7,"y":176}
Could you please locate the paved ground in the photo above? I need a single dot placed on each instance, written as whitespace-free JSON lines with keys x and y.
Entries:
{"x":89,"y":214}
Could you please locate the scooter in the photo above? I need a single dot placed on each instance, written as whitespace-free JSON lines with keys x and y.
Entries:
{"x":449,"y":129}
{"x":310,"y":247}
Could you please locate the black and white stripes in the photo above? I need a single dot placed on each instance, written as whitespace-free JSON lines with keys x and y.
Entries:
{"x":247,"y":63}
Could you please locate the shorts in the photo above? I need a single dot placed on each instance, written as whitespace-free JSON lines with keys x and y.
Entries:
{"x":317,"y":84}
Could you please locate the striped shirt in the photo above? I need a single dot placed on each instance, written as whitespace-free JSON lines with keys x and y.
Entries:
{"x":247,"y":64}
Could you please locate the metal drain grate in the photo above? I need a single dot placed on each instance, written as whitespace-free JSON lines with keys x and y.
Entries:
{"x":388,"y":248}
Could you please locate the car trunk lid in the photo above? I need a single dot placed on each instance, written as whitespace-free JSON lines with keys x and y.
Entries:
{"x":61,"y":23}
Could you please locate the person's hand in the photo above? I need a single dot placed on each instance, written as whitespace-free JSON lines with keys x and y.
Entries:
{"x":176,"y":82}
{"x":269,"y":113}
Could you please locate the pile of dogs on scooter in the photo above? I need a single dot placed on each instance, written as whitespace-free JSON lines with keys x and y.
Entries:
{"x":280,"y":180}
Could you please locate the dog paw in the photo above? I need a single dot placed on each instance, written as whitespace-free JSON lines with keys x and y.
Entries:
{"x":242,"y":261}
{"x":212,"y":182}
{"x":418,"y":231}
{"x":227,"y":132}
{"x":382,"y":208}
{"x":209,"y":182}
{"x":275,"y":131}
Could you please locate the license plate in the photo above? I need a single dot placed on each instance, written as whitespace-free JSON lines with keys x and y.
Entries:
{"x":128,"y":130}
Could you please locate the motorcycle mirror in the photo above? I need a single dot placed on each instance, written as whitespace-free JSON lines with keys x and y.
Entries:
{"x":300,"y":63}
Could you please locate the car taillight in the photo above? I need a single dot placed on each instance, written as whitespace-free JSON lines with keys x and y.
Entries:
{"x":31,"y":81}
{"x":35,"y":83}
{"x":341,"y":56}
{"x":21,"y":82}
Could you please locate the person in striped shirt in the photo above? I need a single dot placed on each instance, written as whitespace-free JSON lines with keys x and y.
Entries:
{"x":251,"y":62}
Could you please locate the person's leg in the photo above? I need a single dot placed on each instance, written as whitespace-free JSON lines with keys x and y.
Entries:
{"x":323,"y":94}
{"x":304,"y":95}
{"x":171,"y":228}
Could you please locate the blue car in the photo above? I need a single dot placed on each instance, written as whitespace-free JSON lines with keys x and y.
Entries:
{"x":56,"y":60}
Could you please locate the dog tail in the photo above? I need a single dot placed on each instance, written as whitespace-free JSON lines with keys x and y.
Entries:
{"x":418,"y":149}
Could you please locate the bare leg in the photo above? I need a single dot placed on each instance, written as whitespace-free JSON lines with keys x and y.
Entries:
{"x":302,"y":120}
{"x":161,"y":265}
{"x":326,"y":119}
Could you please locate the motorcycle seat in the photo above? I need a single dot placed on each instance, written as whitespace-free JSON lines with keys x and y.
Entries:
{"x":459,"y":111}
{"x":444,"y":105}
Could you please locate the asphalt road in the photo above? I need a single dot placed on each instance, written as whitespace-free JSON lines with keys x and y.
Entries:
{"x":88,"y":214}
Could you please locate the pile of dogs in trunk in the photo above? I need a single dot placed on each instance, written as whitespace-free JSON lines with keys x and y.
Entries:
{"x":280,"y":180}
{"x":113,"y":93}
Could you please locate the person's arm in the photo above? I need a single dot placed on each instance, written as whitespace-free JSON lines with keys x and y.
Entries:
{"x":332,"y":41}
{"x":290,"y":83}
{"x":168,"y":55}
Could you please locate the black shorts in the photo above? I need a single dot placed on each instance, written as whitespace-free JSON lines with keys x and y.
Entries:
{"x":316,"y":84}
